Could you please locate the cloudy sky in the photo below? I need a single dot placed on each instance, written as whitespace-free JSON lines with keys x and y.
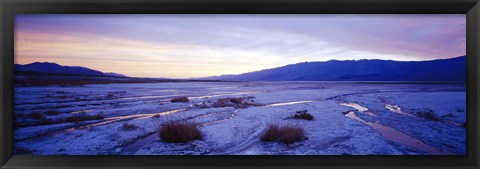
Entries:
{"x":184,"y":46}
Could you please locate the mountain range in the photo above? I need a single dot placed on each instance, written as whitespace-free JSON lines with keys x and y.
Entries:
{"x":453,"y":69}
{"x":47,"y":74}
{"x":53,"y":68}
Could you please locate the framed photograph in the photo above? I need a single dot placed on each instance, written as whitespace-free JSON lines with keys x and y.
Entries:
{"x":240,"y":84}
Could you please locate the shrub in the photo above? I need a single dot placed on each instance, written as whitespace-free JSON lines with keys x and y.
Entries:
{"x":303,"y":114}
{"x":271,"y":134}
{"x":220,"y":103}
{"x":286,"y":134}
{"x":179,"y":99}
{"x":84,"y":117}
{"x":52,"y":112}
{"x":127,"y":126}
{"x":180,"y":132}
{"x":236,"y":100}
{"x":291,"y":134}
{"x":427,"y":115}
{"x":241,"y":106}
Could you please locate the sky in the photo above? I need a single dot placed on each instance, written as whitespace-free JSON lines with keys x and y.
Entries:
{"x":187,"y":46}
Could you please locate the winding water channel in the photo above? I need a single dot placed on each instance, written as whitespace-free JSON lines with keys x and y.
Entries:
{"x":391,"y":133}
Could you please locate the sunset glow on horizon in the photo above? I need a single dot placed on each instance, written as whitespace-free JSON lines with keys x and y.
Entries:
{"x":186,"y":46}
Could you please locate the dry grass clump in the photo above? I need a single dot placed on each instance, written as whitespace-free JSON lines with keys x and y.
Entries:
{"x":84,"y":117}
{"x":179,"y":99}
{"x":224,"y":102}
{"x":303,"y":114}
{"x":428,"y":115}
{"x":127,"y":126}
{"x":271,"y":134}
{"x":286,"y":134}
{"x":236,"y":100}
{"x":179,"y":132}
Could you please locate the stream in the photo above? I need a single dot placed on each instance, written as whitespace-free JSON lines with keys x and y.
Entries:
{"x":391,"y":133}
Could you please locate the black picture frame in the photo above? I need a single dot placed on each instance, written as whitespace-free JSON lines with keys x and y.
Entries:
{"x":11,"y":7}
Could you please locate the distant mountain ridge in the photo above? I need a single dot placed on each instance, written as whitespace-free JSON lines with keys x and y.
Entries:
{"x":54,"y":68}
{"x":48,"y":74}
{"x":453,"y":69}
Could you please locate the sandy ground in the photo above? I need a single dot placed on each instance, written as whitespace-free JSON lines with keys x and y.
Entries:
{"x":349,"y":118}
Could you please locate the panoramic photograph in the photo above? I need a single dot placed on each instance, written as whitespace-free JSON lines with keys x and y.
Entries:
{"x":240,"y":84}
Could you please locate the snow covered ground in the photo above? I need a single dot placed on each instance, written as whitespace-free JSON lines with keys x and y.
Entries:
{"x":349,"y":118}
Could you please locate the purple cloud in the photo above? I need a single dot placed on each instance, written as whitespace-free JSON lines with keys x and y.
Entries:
{"x":268,"y":40}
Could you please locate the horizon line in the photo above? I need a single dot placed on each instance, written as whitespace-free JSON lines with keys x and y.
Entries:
{"x":186,"y":78}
